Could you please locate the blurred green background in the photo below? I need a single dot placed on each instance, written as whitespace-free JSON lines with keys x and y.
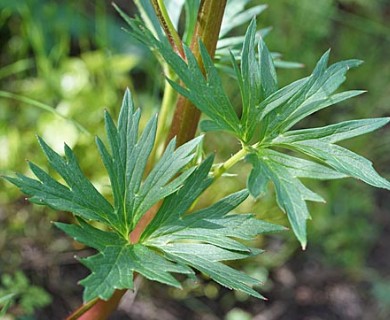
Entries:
{"x":63,"y":62}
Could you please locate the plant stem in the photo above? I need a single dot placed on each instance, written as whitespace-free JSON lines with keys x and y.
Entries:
{"x":186,"y":118}
{"x":237,"y":157}
{"x":97,"y":309}
{"x":168,"y":27}
{"x":168,"y":101}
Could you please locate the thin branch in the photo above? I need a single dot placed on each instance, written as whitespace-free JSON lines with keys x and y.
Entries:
{"x":168,"y":27}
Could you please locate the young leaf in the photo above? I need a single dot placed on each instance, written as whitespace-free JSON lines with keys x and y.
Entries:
{"x":342,"y":160}
{"x":257,"y":79}
{"x":207,"y":93}
{"x":291,"y":194}
{"x":309,"y":95}
{"x":335,"y":132}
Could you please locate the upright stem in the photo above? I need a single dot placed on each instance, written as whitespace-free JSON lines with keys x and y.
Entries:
{"x":166,"y":110}
{"x":186,"y":118}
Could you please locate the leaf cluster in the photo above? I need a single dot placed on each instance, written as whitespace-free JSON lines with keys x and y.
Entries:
{"x":268,"y":115}
{"x":174,"y":242}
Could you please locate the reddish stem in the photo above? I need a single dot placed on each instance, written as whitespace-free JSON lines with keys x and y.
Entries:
{"x":99,"y":310}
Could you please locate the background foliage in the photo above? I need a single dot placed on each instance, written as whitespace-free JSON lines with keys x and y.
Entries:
{"x":73,"y":58}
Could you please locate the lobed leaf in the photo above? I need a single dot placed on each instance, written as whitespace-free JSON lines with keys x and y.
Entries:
{"x":206,"y":93}
{"x":198,"y":258}
{"x":180,"y":202}
{"x":113,"y":269}
{"x":342,"y":160}
{"x":90,"y":236}
{"x":305,"y":97}
{"x":301,"y":168}
{"x":335,"y":132}
{"x":291,"y":194}
{"x":47,"y":191}
{"x":205,"y":237}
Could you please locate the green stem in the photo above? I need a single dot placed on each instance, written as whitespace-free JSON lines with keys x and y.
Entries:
{"x":224,"y":167}
{"x":167,"y":104}
{"x":168,"y":27}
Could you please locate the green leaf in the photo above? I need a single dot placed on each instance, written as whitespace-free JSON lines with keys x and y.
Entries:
{"x":236,"y":15}
{"x":225,"y":45}
{"x":206,"y":93}
{"x":269,"y":81}
{"x":113,"y":269}
{"x":305,"y":97}
{"x":158,"y":184}
{"x":256,"y":79}
{"x":179,"y":202}
{"x":127,"y":161}
{"x":148,"y":16}
{"x":249,"y":80}
{"x":291,"y":194}
{"x":199,"y":258}
{"x":90,"y":236}
{"x":342,"y":160}
{"x":207,"y":236}
{"x":313,"y":105}
{"x":191,"y":13}
{"x":47,"y":191}
{"x":335,"y":132}
{"x":301,"y":168}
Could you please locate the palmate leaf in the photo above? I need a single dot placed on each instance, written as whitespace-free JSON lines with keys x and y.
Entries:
{"x":79,"y":197}
{"x":276,"y":111}
{"x":283,"y":109}
{"x":291,"y":194}
{"x":270,"y":113}
{"x":205,"y":238}
{"x":125,"y":164}
{"x":175,"y":241}
{"x":113,"y":269}
{"x":279,"y":112}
